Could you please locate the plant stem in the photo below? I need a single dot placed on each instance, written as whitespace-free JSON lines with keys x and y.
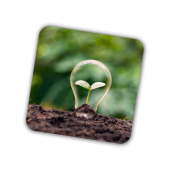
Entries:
{"x":88,"y":96}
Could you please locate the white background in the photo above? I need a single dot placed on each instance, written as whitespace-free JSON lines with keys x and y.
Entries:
{"x":23,"y":149}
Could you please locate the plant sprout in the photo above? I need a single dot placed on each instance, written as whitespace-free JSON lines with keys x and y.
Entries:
{"x":87,"y":86}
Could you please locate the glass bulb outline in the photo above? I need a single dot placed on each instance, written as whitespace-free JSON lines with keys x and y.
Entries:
{"x":101,"y":65}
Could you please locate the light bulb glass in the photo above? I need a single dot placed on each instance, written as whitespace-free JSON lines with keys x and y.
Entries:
{"x":85,"y":70}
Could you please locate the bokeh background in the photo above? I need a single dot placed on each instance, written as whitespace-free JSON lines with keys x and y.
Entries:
{"x":59,"y":50}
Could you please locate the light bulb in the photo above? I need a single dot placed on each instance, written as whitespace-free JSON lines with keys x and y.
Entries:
{"x":87,"y":86}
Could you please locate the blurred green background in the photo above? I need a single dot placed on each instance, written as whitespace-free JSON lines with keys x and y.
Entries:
{"x":59,"y":50}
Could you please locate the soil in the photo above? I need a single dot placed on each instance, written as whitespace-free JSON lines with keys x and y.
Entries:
{"x":82,"y":122}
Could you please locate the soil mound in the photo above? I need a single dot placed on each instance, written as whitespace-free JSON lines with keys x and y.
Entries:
{"x":96,"y":127}
{"x":85,"y":108}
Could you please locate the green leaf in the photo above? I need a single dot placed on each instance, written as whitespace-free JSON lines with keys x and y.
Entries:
{"x":83,"y":83}
{"x":97,"y":85}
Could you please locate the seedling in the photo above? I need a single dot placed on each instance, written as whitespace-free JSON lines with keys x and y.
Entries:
{"x":87,"y":86}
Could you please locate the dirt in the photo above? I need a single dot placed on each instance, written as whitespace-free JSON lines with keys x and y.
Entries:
{"x":82,"y":122}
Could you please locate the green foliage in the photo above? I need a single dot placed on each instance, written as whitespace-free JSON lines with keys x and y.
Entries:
{"x":87,"y":86}
{"x":59,"y":50}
